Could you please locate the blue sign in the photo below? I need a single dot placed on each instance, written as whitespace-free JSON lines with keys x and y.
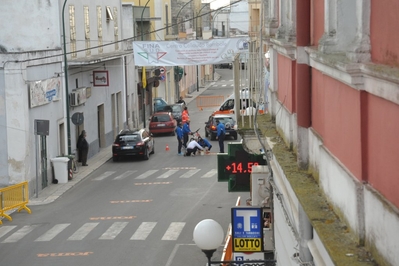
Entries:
{"x":247,"y":231}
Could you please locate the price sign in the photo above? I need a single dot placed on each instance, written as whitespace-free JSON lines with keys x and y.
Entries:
{"x":236,"y":167}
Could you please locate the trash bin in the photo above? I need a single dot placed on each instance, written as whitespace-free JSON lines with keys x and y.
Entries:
{"x":61,"y":169}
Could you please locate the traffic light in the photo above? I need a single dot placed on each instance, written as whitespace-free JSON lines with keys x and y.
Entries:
{"x":179,"y":71}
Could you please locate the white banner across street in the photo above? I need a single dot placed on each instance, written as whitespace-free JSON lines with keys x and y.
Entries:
{"x":191,"y":52}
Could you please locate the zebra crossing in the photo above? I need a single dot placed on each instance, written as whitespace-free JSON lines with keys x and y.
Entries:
{"x":12,"y":234}
{"x":184,"y":172}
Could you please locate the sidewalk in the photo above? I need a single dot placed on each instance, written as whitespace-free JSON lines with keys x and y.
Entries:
{"x":53,"y":191}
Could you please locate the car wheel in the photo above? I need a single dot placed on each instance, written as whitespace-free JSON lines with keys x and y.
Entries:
{"x":213,"y":136}
{"x":235,"y":137}
{"x":173,"y":133}
{"x":146,"y":155}
{"x":115,"y":159}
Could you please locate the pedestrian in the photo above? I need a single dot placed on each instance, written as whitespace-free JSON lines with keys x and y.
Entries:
{"x":180,"y":140}
{"x":205,"y":143}
{"x":192,"y":148}
{"x":80,"y":138}
{"x":221,"y":132}
{"x":181,"y":101}
{"x":185,"y":116}
{"x":83,"y":148}
{"x":186,"y":132}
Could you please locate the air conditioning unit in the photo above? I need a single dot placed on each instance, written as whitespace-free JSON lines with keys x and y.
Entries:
{"x":77,"y":97}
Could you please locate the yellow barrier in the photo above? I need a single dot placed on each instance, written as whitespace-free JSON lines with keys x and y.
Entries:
{"x":228,"y":246}
{"x":15,"y":196}
{"x":209,"y":101}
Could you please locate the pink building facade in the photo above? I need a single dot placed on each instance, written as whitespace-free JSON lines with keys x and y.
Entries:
{"x":334,"y":91}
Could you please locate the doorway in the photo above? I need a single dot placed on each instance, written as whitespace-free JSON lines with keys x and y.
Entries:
{"x":100,"y":126}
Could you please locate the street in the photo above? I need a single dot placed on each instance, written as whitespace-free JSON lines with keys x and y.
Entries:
{"x":131,"y":212}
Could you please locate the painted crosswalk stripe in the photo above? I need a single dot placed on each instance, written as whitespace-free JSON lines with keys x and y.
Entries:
{"x":19,"y":234}
{"x":53,"y":232}
{"x":173,"y":231}
{"x":114,"y":230}
{"x":167,"y":174}
{"x":83,"y":231}
{"x":190,"y":173}
{"x":143,"y":231}
{"x":125,"y":174}
{"x":5,"y":229}
{"x":104,"y":175}
{"x":146,"y":174}
{"x":210,"y":173}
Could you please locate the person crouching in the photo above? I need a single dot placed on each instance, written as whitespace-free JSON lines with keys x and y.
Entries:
{"x":192,"y":148}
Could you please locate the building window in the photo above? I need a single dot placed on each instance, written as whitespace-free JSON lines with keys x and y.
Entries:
{"x":87,"y":29}
{"x":100,"y":30}
{"x":72,"y":31}
{"x":109,"y":14}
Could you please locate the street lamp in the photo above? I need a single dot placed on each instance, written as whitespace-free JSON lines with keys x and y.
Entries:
{"x":66,"y":81}
{"x":208,"y":235}
{"x":143,"y":69}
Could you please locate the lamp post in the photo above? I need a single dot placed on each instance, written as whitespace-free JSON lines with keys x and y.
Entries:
{"x":66,"y":82}
{"x":143,"y":69}
{"x":208,"y":235}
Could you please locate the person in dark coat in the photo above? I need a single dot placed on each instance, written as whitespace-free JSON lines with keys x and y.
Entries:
{"x":83,"y":148}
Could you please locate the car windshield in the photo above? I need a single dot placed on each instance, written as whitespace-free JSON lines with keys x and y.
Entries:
{"x":160,"y":118}
{"x":225,"y":120}
{"x":176,"y":108}
{"x":129,"y":138}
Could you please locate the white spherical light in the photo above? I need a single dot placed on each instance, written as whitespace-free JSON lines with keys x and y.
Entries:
{"x":208,"y":234}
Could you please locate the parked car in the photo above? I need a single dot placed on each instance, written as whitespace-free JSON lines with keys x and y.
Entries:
{"x":159,"y":104}
{"x":176,"y":110}
{"x":225,"y":65}
{"x":162,"y":122}
{"x":228,"y":121}
{"x":138,"y":142}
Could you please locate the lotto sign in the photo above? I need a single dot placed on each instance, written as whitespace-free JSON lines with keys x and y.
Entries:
{"x":247,"y":229}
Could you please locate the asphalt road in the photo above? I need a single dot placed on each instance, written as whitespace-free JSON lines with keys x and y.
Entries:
{"x":132,"y":212}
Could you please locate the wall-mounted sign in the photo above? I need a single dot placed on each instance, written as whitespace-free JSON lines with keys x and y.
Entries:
{"x":100,"y":78}
{"x":247,"y":229}
{"x":44,"y":91}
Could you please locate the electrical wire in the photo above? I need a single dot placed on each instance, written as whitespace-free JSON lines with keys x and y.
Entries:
{"x":134,"y":38}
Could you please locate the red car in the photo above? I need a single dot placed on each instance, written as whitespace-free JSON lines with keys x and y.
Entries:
{"x":162,"y":123}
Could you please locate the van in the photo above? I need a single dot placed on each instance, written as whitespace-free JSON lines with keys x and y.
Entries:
{"x":227,"y":107}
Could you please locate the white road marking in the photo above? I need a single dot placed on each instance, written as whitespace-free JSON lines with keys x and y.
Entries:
{"x":125,"y":174}
{"x":83,"y":231}
{"x":173,"y":231}
{"x":114,"y":230}
{"x":146,"y":174}
{"x":190,"y":173}
{"x":104,"y":175}
{"x":210,"y":173}
{"x":167,"y":174}
{"x":5,"y":229}
{"x":19,"y":234}
{"x":53,"y":232}
{"x":143,"y":231}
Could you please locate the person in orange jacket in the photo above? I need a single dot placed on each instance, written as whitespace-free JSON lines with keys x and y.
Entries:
{"x":185,"y":116}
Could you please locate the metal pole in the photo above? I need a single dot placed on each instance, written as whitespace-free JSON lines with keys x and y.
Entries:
{"x":66,"y":82}
{"x":142,"y":38}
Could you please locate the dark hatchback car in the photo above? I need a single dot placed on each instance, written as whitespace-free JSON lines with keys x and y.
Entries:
{"x":133,"y":143}
{"x":176,"y":110}
{"x":228,"y":121}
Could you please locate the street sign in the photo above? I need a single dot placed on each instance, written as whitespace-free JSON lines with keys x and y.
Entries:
{"x":247,"y":230}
